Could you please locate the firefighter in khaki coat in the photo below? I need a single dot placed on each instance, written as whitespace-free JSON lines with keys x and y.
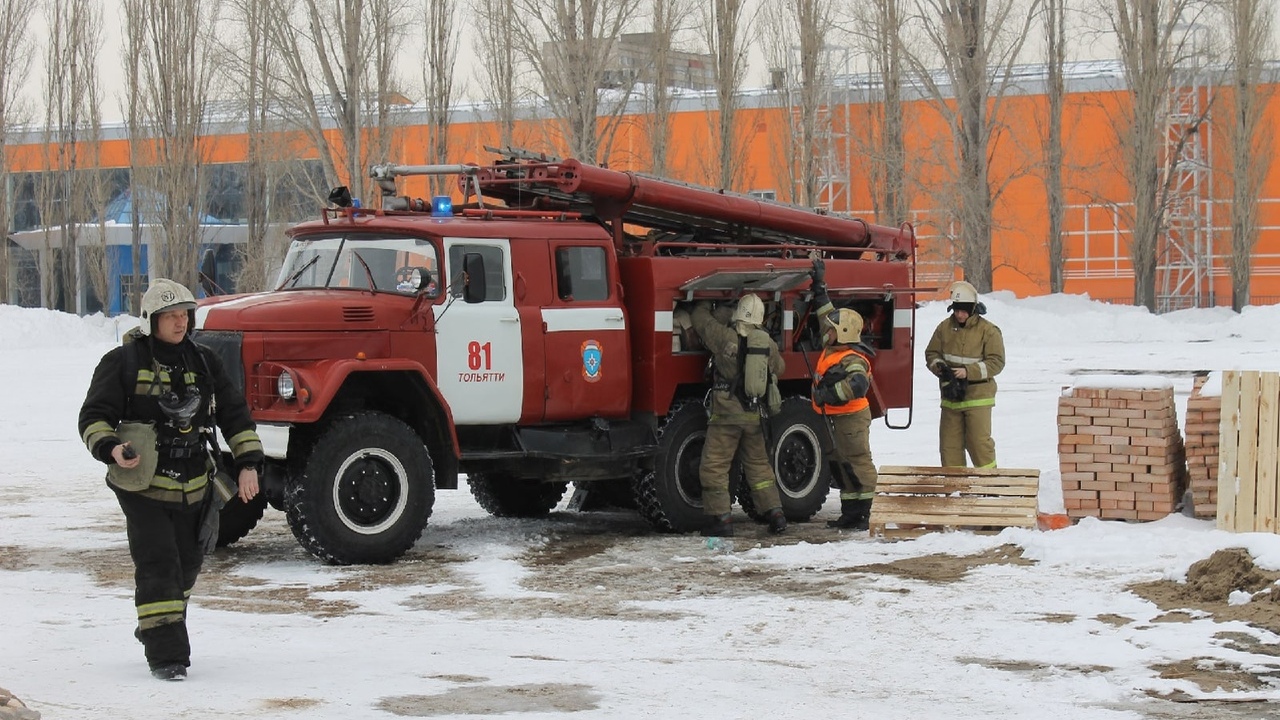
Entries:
{"x":966,"y":352}
{"x":840,"y":383}
{"x":733,"y":425}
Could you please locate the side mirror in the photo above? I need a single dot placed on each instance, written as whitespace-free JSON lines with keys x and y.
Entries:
{"x":474,"y":288}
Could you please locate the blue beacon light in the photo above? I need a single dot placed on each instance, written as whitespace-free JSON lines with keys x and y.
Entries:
{"x":442,"y":206}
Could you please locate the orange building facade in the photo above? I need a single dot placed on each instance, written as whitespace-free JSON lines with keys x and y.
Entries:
{"x":1193,"y":263}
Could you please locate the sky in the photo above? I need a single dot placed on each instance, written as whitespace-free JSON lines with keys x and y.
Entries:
{"x":590,"y":615}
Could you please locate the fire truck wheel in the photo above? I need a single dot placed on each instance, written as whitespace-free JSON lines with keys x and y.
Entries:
{"x":238,"y":518}
{"x":798,"y":435}
{"x":669,"y":497}
{"x":507,"y":497}
{"x":363,"y":491}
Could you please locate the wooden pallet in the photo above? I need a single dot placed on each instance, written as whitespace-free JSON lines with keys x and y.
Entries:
{"x":916,"y":500}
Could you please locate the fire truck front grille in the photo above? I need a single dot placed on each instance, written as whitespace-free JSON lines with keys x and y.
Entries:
{"x":226,"y":345}
{"x":363,"y":314}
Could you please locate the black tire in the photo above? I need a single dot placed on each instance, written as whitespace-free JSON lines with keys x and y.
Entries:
{"x":669,"y":497}
{"x":237,"y":518}
{"x":505,"y":497}
{"x":799,"y":435}
{"x":363,"y":491}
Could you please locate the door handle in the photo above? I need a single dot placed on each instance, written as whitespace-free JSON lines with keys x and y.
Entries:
{"x":613,"y":318}
{"x":513,"y":319}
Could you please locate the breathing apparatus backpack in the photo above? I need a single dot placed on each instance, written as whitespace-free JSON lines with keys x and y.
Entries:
{"x":759,"y":386}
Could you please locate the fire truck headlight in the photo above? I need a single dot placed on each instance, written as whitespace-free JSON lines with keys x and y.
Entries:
{"x":442,"y":206}
{"x":284,"y":385}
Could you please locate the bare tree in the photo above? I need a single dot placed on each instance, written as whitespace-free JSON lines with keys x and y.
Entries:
{"x":796,"y":35}
{"x":495,"y":26}
{"x":571,"y":44}
{"x":134,"y":42}
{"x":1249,"y":26}
{"x":725,"y":29}
{"x":978,"y":43}
{"x":176,"y":70}
{"x":440,"y":52}
{"x":337,"y":67}
{"x":880,"y":25}
{"x":1055,"y":31}
{"x":1152,"y":45}
{"x":669,"y":19}
{"x":70,"y":85}
{"x":15,"y":58}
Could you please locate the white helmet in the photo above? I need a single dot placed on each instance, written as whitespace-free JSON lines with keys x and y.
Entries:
{"x":847,"y":324}
{"x":165,"y":294}
{"x":962,"y":292}
{"x":749,"y":313}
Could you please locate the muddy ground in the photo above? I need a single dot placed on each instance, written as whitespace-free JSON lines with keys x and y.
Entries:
{"x":583,"y":554}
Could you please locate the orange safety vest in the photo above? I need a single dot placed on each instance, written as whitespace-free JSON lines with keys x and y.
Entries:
{"x":825,"y":362}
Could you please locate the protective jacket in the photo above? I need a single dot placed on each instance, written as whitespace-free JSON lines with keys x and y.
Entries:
{"x":976,"y":345}
{"x":183,"y":465}
{"x":851,"y":361}
{"x":727,"y":403}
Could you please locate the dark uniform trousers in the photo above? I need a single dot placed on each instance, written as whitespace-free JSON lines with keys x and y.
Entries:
{"x":163,"y":541}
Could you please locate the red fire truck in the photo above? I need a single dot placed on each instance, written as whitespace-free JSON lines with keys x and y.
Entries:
{"x":531,"y":336}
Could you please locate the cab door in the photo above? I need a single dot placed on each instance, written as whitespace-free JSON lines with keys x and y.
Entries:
{"x":588,"y":365}
{"x":478,"y":348}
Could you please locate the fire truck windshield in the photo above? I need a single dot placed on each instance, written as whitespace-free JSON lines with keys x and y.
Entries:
{"x":363,"y":262}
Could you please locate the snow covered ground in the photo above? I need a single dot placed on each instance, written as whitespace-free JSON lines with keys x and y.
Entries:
{"x":592,"y":616}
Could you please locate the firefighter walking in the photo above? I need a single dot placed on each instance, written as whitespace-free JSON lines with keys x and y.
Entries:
{"x":146,"y":417}
{"x":734,"y":424}
{"x":966,"y":352}
{"x":841,"y":380}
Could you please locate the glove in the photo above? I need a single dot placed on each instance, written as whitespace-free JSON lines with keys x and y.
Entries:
{"x":954,"y":388}
{"x":819,"y":277}
{"x":859,"y":384}
{"x":940,"y":368}
{"x":826,"y":395}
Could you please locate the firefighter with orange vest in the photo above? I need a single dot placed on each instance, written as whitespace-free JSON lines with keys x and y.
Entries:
{"x":841,"y":380}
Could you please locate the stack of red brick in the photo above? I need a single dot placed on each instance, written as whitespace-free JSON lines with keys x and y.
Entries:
{"x":1120,"y":452}
{"x":1204,"y":413}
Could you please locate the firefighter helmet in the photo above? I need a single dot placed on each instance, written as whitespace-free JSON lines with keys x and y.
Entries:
{"x":848,"y":325}
{"x":749,"y":314}
{"x":962,"y":292}
{"x":163,"y":295}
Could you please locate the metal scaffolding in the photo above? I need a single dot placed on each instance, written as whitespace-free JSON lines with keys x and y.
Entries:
{"x":1184,"y":260}
{"x":831,"y":139}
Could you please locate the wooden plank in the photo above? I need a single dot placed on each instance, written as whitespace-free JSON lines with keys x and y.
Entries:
{"x":955,"y":471}
{"x":1247,"y":452}
{"x":932,"y":489}
{"x":1268,"y":452}
{"x":932,"y":503}
{"x":1228,"y":440}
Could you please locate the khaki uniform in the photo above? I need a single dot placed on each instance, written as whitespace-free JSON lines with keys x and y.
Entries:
{"x":850,"y":423}
{"x":978,"y":347}
{"x":732,"y":426}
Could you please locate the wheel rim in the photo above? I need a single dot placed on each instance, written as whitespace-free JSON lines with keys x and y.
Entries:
{"x":688,"y":460}
{"x":371,"y":491}
{"x":797,"y":461}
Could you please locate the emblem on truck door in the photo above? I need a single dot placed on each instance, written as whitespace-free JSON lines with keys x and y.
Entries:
{"x":592,"y":356}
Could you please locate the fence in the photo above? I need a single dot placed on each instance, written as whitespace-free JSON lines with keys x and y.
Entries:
{"x":1249,"y":454}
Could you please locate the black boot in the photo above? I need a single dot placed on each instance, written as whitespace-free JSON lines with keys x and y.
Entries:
{"x":719,"y":526}
{"x":777,"y":521}
{"x":169,"y":671}
{"x":854,"y":515}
